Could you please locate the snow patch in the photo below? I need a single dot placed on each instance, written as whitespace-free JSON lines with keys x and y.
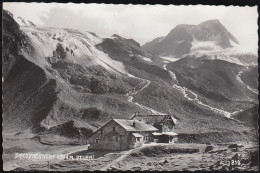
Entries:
{"x":169,"y":58}
{"x":211,"y":48}
{"x":145,"y":58}
{"x":205,"y":47}
{"x":166,"y":62}
{"x":225,"y":58}
{"x":180,"y":41}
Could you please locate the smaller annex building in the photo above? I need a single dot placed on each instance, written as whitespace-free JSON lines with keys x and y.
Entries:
{"x":165,"y":125}
{"x":122,"y":134}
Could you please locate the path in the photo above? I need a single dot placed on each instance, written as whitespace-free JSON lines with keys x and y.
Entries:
{"x":145,"y":83}
{"x":125,"y":154}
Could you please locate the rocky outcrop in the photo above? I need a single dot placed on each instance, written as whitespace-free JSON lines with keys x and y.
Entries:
{"x":13,"y":41}
{"x":28,"y":94}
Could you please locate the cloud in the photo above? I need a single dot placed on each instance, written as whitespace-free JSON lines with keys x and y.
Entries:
{"x":140,"y":22}
{"x":29,"y":11}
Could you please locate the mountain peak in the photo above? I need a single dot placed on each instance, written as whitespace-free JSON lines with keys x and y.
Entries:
{"x":215,"y":21}
{"x":212,"y":24}
{"x":183,"y":26}
{"x":115,"y":35}
{"x":183,"y":38}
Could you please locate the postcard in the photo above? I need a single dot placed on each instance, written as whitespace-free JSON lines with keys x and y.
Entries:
{"x":106,"y":87}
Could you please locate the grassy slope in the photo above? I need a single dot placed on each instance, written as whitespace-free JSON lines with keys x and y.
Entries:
{"x":249,"y":77}
{"x":214,"y":80}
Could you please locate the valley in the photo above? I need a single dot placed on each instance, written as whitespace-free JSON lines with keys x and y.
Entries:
{"x":60,"y":85}
{"x":88,"y":66}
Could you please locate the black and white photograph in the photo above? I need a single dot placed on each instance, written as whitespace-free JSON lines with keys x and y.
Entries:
{"x":129,"y":87}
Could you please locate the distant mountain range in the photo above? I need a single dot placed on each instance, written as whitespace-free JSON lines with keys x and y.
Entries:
{"x":54,"y":77}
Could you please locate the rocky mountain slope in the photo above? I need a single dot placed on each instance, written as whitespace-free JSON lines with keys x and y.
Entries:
{"x":82,"y":81}
{"x":183,"y":39}
{"x":52,"y":76}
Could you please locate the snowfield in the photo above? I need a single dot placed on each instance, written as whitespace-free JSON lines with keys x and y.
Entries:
{"x":80,"y":47}
{"x":204,"y":46}
{"x":215,"y":52}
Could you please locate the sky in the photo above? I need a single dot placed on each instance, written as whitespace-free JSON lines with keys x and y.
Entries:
{"x":142,"y":23}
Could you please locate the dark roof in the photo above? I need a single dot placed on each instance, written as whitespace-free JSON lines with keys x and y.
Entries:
{"x":139,"y":125}
{"x":154,"y":119}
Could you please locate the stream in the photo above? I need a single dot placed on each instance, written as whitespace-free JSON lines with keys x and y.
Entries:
{"x":240,"y":80}
{"x":190,"y":95}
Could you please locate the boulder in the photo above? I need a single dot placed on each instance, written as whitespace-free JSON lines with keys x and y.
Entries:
{"x":208,"y":148}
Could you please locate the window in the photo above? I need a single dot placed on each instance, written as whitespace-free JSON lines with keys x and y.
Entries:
{"x":110,"y":138}
{"x":101,"y":131}
{"x":97,"y":141}
{"x":114,"y":129}
{"x":133,"y":139}
{"x":116,"y":138}
{"x":137,"y":139}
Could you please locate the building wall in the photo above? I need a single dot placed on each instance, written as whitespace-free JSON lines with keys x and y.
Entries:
{"x":148,"y":137}
{"x":133,"y":142}
{"x":168,"y":126}
{"x":109,"y":139}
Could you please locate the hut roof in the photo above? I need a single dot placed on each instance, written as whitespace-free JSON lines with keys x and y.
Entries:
{"x":154,"y":119}
{"x":135,"y":125}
